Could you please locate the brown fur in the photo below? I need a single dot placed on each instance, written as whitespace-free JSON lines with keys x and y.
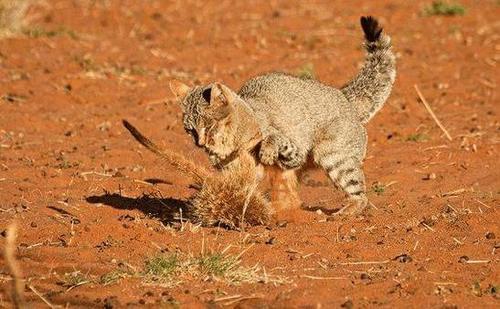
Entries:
{"x":229,"y":198}
{"x":283,"y":185}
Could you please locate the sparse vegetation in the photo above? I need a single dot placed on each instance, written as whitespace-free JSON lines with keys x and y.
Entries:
{"x":476,"y":289}
{"x":417,"y":137}
{"x":378,"y":188}
{"x":161,"y":269}
{"x":306,"y":71}
{"x":216,"y":264}
{"x":38,"y":32}
{"x":12,"y":16}
{"x":440,"y":7}
{"x":114,"y":276}
{"x":97,"y":70}
{"x":74,"y":279}
{"x":172,"y":269}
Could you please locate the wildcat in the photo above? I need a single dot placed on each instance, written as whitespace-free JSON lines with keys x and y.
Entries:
{"x":286,"y":120}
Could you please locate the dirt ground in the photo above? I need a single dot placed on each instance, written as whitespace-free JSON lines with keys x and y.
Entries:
{"x":89,"y":200}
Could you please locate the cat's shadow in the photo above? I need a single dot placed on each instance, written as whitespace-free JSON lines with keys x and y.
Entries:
{"x":165,"y":209}
{"x":327,"y":211}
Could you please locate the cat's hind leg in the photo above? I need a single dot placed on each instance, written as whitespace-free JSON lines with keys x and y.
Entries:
{"x":342,"y":162}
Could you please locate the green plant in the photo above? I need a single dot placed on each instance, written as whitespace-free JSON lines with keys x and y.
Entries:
{"x":417,"y":137}
{"x":378,"y":188}
{"x":170,"y":270}
{"x":306,"y":71}
{"x":38,"y":32}
{"x":162,"y":266}
{"x":114,"y":276}
{"x":74,"y":279}
{"x":216,"y":264}
{"x":440,"y":7}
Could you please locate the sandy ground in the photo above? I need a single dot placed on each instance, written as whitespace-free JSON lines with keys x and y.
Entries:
{"x":90,"y":201}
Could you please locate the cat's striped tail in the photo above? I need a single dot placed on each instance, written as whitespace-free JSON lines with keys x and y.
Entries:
{"x":369,"y":90}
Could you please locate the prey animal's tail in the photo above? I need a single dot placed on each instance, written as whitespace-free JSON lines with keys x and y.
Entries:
{"x":369,"y":90}
{"x":185,"y":166}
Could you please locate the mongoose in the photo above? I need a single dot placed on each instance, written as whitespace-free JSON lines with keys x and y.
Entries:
{"x":297,"y":118}
{"x":229,"y":198}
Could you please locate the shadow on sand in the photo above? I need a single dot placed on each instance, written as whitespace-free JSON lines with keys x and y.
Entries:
{"x":164,"y":209}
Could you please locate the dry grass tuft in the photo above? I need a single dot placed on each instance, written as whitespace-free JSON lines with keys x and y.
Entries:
{"x":12,"y":16}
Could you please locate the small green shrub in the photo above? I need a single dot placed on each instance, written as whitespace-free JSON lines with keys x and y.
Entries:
{"x":378,"y":188}
{"x":417,"y":137}
{"x":162,"y":266}
{"x":114,"y":276}
{"x":440,"y":7}
{"x":306,"y":71}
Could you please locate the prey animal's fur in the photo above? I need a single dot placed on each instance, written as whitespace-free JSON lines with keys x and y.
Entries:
{"x":229,"y":198}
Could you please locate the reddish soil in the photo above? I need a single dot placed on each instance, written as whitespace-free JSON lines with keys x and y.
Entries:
{"x":430,"y":242}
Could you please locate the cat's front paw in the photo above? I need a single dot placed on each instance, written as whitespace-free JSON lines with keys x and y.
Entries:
{"x":268,"y":154}
{"x":292,"y":161}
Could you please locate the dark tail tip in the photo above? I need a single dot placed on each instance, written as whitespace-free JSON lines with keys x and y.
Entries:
{"x":127,"y":124}
{"x":371,"y":28}
{"x":135,"y":133}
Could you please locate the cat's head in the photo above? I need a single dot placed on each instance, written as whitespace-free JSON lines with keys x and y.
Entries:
{"x":208,"y":116}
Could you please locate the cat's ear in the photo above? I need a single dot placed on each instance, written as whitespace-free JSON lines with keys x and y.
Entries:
{"x":221,"y":100}
{"x":179,"y":89}
{"x":221,"y":95}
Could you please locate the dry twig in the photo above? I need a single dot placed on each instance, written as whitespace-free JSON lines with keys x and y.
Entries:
{"x":32,"y":288}
{"x":323,"y":278}
{"x":365,"y":262}
{"x":428,"y":107}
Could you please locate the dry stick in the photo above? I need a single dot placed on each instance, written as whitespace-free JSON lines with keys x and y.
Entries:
{"x":477,"y":261}
{"x":427,"y":106}
{"x":41,"y":296}
{"x":17,"y":281}
{"x":227,"y":298}
{"x":323,"y":278}
{"x":229,"y":303}
{"x":445,"y":283}
{"x":365,"y":262}
{"x":482,"y":203}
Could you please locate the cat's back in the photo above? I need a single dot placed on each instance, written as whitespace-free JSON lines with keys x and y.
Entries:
{"x":280,"y":92}
{"x":276,"y":85}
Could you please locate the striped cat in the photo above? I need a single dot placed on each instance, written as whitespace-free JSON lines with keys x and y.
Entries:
{"x":286,"y":120}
